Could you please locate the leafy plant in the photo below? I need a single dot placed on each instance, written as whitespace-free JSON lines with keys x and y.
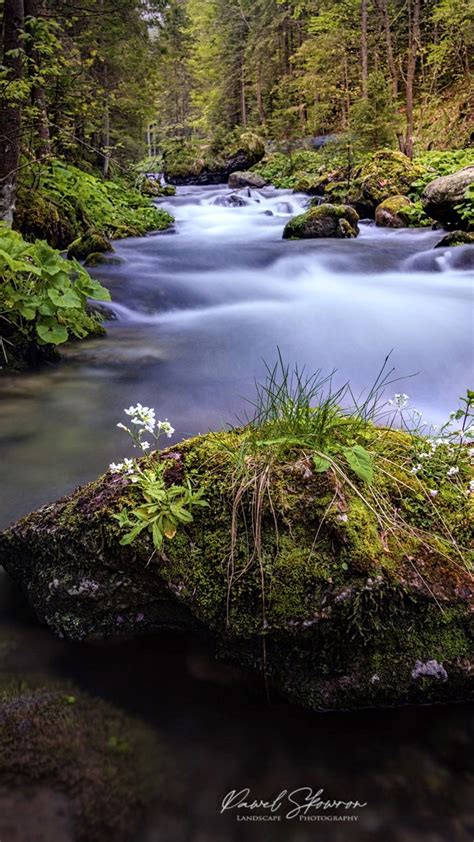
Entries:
{"x":112,"y":208}
{"x":43,"y":297}
{"x":158,"y":508}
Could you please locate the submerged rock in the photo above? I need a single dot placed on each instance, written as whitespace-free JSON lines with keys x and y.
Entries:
{"x":232,"y":201}
{"x":334,"y":609}
{"x":339,"y":221}
{"x":246,"y":179}
{"x":441,"y":196}
{"x":72,"y":768}
{"x":392,"y":213}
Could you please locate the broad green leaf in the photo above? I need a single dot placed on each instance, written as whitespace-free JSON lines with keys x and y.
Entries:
{"x":361,"y":462}
{"x":52,"y":334}
{"x":67,"y":299}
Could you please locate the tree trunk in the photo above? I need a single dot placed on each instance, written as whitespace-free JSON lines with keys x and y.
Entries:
{"x":413,"y":46}
{"x":10,"y":112}
{"x":382,"y":8}
{"x":243,"y":104}
{"x":258,"y":93}
{"x":35,"y":9}
{"x":363,"y":48}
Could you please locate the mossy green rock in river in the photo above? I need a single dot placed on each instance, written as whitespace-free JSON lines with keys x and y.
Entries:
{"x":387,"y":173}
{"x":393,"y":212}
{"x":72,"y":764}
{"x":340,"y":221}
{"x":93,"y":242}
{"x":336,"y":606}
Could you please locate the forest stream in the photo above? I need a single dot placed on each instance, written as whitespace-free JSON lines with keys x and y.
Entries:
{"x":198,"y":311}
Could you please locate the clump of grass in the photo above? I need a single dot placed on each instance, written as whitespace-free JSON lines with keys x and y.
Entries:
{"x":304,"y":420}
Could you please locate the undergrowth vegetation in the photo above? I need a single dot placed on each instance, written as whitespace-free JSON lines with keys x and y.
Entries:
{"x":43,"y":298}
{"x":59,"y":202}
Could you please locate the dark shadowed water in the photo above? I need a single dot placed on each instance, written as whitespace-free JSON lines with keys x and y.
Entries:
{"x":198,"y":311}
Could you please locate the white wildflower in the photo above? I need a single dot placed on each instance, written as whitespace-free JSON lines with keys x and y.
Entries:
{"x":145,"y":445}
{"x":116,"y":467}
{"x":452,"y":471}
{"x":433,"y":492}
{"x":471,"y":486}
{"x":399,"y":401}
{"x":166,"y":428}
{"x":416,"y":468}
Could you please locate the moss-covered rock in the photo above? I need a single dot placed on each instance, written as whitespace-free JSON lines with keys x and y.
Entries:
{"x":187,"y":162}
{"x":338,"y":607}
{"x":38,"y":217}
{"x":92,"y":242}
{"x":83,"y":769}
{"x":456,"y":238}
{"x":441,"y":197}
{"x":386,"y":173}
{"x":152,"y":187}
{"x":393,"y":212}
{"x":340,"y":221}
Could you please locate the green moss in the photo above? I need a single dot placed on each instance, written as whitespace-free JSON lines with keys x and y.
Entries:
{"x":92,"y":242}
{"x":324,"y":220}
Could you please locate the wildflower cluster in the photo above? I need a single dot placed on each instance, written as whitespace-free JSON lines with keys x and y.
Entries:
{"x":160,"y":508}
{"x":143,"y":422}
{"x":443,"y":454}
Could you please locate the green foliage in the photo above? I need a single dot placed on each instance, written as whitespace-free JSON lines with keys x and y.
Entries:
{"x":292,"y":170}
{"x":157,"y":508}
{"x":466,"y":208}
{"x":373,"y":119}
{"x":436,"y":164}
{"x":43,"y":297}
{"x":109,"y":207}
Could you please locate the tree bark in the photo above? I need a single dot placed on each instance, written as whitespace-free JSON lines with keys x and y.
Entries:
{"x":10,"y":110}
{"x":363,"y":49}
{"x":35,"y":9}
{"x":413,"y":46}
{"x":382,"y":8}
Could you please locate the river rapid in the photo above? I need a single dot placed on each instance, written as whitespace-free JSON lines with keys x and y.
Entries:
{"x":197,"y":312}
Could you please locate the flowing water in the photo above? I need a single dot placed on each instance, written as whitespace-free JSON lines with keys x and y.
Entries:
{"x":197,"y":312}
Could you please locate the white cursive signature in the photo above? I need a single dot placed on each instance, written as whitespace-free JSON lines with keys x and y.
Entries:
{"x":304,"y":799}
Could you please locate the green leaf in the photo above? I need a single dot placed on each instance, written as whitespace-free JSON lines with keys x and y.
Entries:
{"x":361,"y":462}
{"x":68,"y":299}
{"x":52,"y":334}
{"x":321,"y":463}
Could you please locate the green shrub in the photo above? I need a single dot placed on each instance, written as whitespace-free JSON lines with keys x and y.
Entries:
{"x":110,"y":207}
{"x":43,"y":297}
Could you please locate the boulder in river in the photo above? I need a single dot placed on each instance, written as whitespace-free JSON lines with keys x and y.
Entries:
{"x":231,"y":201}
{"x":292,"y":573}
{"x":339,"y":221}
{"x":441,"y":196}
{"x":246,"y":179}
{"x":393,"y":212}
{"x":385,"y":174}
{"x":456,"y":238}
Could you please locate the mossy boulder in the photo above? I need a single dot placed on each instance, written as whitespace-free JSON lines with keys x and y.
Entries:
{"x":92,"y":242}
{"x":387,"y":173}
{"x":186,"y":162}
{"x":152,"y":187}
{"x":73,"y":764}
{"x":39,"y":218}
{"x":339,"y":221}
{"x":441,"y":197}
{"x":336,"y":606}
{"x":393,"y":212}
{"x":456,"y":238}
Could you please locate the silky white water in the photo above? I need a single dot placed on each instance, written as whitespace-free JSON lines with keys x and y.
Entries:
{"x":198,"y":311}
